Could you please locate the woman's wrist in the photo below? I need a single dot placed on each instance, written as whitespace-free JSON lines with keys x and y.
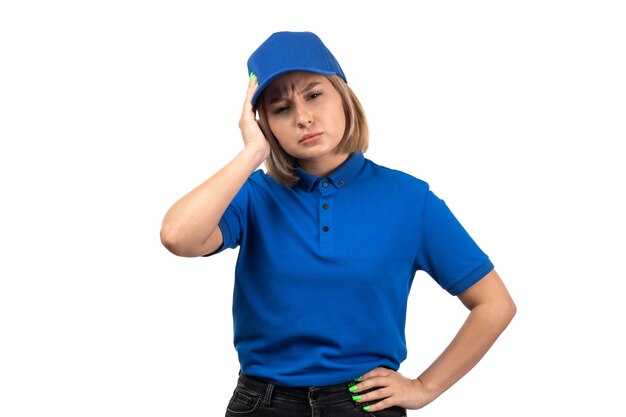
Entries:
{"x":255,"y":154}
{"x":427,"y":392}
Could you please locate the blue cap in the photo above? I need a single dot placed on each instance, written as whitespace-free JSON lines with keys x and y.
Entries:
{"x":291,"y":51}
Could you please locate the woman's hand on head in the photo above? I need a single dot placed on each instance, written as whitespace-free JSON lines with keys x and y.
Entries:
{"x":253,"y":137}
{"x":391,"y":388}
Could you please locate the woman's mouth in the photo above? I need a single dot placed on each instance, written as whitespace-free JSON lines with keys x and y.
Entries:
{"x":310,"y":137}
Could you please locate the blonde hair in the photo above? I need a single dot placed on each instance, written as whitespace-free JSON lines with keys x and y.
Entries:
{"x":281,"y":166}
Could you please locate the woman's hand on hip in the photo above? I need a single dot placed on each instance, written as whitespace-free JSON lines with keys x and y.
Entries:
{"x":250,"y":131}
{"x":391,"y":388}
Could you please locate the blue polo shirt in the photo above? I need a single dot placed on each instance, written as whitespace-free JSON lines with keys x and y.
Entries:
{"x":325,"y":268}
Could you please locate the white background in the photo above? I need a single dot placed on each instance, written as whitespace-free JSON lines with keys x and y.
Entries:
{"x":514,"y":112}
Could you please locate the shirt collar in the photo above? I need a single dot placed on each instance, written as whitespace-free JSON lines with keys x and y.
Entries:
{"x":339,"y":177}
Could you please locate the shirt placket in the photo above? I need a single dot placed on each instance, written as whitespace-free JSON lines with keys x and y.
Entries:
{"x":326,"y":207}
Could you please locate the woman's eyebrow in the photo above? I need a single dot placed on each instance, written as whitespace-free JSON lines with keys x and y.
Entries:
{"x":310,"y":86}
{"x":275,"y":99}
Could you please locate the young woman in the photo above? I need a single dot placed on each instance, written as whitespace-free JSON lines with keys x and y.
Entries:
{"x":329,"y":244}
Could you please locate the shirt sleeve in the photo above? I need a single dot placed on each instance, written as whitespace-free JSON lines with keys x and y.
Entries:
{"x":233,"y":221}
{"x":447,"y":252}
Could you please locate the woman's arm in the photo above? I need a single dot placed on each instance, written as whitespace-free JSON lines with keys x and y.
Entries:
{"x":190,"y":225}
{"x":491,"y":310}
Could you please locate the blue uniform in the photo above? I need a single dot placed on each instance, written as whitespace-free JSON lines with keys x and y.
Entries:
{"x":325,"y":268}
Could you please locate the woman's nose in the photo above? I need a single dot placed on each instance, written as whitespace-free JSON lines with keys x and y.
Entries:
{"x":304,"y":116}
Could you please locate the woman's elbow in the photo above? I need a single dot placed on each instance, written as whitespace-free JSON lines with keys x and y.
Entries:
{"x":507,"y":310}
{"x":172,"y":240}
{"x":511,"y":309}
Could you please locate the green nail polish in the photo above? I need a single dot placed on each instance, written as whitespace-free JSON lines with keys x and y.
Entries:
{"x":367,"y":407}
{"x":358,"y":379}
{"x":251,"y":75}
{"x":353,"y":388}
{"x":356,"y":397}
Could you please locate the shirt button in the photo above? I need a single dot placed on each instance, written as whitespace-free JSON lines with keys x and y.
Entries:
{"x":325,"y":206}
{"x":325,"y":228}
{"x":324,"y":184}
{"x":341,"y":183}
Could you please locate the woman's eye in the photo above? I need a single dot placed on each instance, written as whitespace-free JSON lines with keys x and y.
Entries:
{"x":314,"y":95}
{"x":280,"y":109}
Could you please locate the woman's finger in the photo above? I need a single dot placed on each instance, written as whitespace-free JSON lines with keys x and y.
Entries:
{"x":376,"y":372}
{"x":247,"y":104}
{"x":378,"y":394}
{"x":252,"y":87}
{"x":369,"y":383}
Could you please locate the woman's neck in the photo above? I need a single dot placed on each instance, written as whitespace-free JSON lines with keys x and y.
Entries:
{"x":324,"y":166}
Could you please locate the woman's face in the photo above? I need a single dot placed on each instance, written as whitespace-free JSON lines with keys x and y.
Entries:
{"x":306,"y":115}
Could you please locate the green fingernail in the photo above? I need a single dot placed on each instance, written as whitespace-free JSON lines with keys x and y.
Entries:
{"x":367,"y":407}
{"x":353,"y":388}
{"x":251,"y":75}
{"x":356,"y":397}
{"x":358,"y":379}
{"x":257,"y":84}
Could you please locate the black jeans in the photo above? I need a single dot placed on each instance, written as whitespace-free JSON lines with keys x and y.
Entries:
{"x":255,"y":397}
